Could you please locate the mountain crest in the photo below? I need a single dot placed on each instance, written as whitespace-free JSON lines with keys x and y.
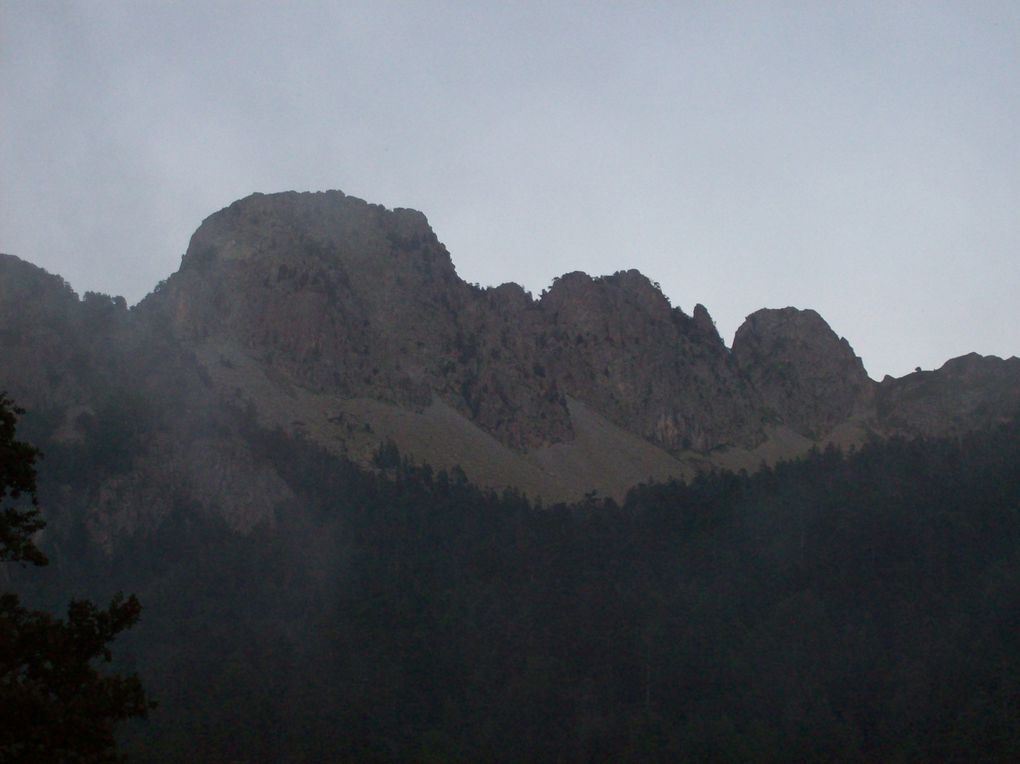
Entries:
{"x":346,"y":323}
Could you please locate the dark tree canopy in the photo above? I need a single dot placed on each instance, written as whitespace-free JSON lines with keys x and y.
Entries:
{"x":856,"y":608}
{"x":54,"y":704}
{"x":19,"y":515}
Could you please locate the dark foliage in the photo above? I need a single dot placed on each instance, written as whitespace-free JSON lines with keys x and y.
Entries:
{"x":54,"y":705}
{"x":19,"y":513}
{"x":832,"y":609}
{"x":837,"y":608}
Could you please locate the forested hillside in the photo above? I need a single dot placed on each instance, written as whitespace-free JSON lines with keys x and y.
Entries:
{"x":838,"y":608}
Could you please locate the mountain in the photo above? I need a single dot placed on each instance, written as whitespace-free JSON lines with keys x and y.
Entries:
{"x":285,"y":451}
{"x":344,"y":323}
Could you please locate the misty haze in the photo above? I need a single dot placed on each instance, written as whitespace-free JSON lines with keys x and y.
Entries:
{"x":578,"y":385}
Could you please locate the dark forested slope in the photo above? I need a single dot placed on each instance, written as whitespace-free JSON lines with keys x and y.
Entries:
{"x":836,"y":608}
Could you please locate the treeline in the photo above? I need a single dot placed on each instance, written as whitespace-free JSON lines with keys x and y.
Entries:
{"x":836,"y":608}
{"x":861,"y":607}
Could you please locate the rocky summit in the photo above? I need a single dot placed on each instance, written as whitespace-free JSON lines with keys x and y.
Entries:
{"x":345,"y":324}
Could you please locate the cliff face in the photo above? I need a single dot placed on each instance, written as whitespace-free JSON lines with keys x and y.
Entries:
{"x":808,"y":378}
{"x":342,"y":296}
{"x":349,"y":299}
{"x":617,"y":344}
{"x":345,"y":323}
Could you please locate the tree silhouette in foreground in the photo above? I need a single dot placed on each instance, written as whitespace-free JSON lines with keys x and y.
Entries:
{"x":19,"y":515}
{"x":54,"y":704}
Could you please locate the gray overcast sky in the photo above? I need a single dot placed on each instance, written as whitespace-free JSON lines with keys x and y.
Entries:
{"x":862,"y":159}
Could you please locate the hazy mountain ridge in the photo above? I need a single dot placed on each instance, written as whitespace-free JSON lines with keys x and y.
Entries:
{"x":211,"y":450}
{"x":344,"y":322}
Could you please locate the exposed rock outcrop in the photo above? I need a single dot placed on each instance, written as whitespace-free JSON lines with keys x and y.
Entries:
{"x":808,"y":377}
{"x":966,"y":393}
{"x":348,"y":299}
{"x":617,"y":344}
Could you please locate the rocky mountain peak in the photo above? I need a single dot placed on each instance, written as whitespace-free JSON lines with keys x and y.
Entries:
{"x":703,"y":321}
{"x":581,"y":294}
{"x":808,"y":377}
{"x":345,"y":322}
{"x":340,"y":295}
{"x":950,"y":399}
{"x":510,"y":297}
{"x":324,"y":223}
